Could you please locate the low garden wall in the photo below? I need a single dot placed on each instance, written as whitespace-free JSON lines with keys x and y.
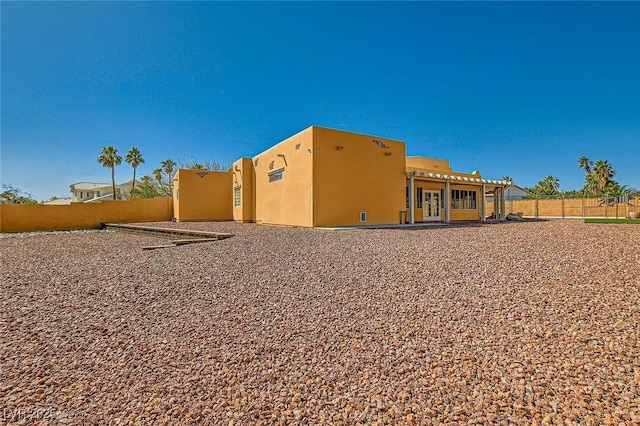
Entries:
{"x":38,"y":217}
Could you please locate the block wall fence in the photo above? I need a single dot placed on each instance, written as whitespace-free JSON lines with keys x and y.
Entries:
{"x":571,"y":208}
{"x":38,"y":217}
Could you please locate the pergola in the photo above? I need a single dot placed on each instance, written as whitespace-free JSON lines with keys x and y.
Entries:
{"x":495,"y":187}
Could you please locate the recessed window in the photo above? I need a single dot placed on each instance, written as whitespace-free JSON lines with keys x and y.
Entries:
{"x":406,"y":193}
{"x":276,"y":175}
{"x":419,"y":197}
{"x":462,"y":199}
{"x":236,"y":195}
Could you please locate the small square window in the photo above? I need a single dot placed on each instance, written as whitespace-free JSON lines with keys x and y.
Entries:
{"x":276,"y":175}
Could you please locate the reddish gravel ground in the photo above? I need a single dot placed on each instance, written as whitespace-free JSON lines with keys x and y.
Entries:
{"x":514,"y":323}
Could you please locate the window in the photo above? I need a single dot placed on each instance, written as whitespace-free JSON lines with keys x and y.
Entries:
{"x":276,"y":175}
{"x":363,"y":216}
{"x":236,"y":195}
{"x":461,"y":199}
{"x":419,"y":197}
{"x":406,"y":193}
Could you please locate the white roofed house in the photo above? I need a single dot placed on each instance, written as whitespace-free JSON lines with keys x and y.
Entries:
{"x":87,"y":192}
{"x":512,"y":192}
{"x":515,"y":192}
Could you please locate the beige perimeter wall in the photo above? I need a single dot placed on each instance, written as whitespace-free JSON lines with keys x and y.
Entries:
{"x":572,"y":207}
{"x":38,"y":217}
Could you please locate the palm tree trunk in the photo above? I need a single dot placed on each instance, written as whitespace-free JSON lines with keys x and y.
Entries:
{"x":133,"y":183}
{"x":113,"y":181}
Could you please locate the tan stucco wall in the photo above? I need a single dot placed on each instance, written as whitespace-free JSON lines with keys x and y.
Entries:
{"x":434,"y":165}
{"x":38,"y":217}
{"x":352,"y":174}
{"x":244,"y":178}
{"x":428,"y":164}
{"x":203,"y":195}
{"x":287,"y":201}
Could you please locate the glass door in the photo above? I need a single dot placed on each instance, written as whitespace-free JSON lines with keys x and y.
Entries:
{"x":431,"y":205}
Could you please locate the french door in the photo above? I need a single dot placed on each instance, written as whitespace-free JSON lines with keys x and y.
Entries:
{"x":431,"y":205}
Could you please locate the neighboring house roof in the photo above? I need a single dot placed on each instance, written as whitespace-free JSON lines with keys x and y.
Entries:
{"x":59,"y":202}
{"x":516,"y":190}
{"x":513,"y":190}
{"x":92,"y":186}
{"x":89,"y":186}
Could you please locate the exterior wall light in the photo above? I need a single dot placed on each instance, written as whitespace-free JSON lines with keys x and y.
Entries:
{"x":386,"y":154}
{"x":339,"y":147}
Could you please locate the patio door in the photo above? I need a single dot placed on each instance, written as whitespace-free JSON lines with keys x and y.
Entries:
{"x":431,"y":206}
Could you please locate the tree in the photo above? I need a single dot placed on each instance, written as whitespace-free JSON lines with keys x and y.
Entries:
{"x":13,"y":195}
{"x":147,"y":188}
{"x":589,"y":185}
{"x":603,"y":173}
{"x":507,"y":179}
{"x":210,"y":165}
{"x":134,"y":159}
{"x":585,"y":163}
{"x":109,"y":158}
{"x":164,"y":181}
{"x":547,"y":186}
{"x":168,"y":167}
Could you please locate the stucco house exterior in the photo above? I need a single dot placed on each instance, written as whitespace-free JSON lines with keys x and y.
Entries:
{"x":323,"y":177}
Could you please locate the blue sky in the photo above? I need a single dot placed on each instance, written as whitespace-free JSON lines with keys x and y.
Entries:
{"x":509,"y":88}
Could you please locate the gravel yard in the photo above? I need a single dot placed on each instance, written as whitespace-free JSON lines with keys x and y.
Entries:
{"x":514,"y":323}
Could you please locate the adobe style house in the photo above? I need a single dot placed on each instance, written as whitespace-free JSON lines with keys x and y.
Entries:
{"x":322,"y":177}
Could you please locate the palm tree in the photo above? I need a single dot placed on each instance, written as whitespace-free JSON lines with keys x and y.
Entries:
{"x":109,"y":158}
{"x":603,"y":172}
{"x":147,"y":188}
{"x":591,"y":185}
{"x":548,"y":186}
{"x":585,"y":163}
{"x":507,"y":179}
{"x":157,"y":174}
{"x":168,"y":167}
{"x":134,"y":159}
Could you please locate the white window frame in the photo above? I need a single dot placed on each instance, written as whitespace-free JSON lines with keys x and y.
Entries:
{"x":464,"y":199}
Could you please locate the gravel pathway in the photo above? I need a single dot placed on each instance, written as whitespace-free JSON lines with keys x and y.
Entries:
{"x":515,"y":323}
